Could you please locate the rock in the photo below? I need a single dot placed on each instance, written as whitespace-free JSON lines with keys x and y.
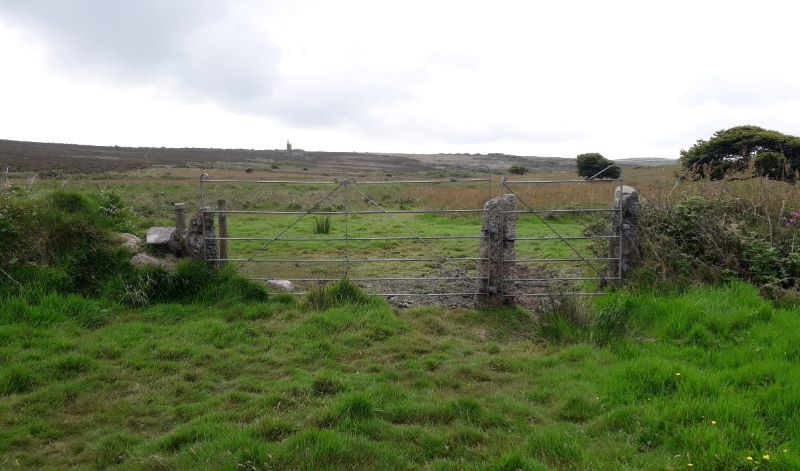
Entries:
{"x":196,"y":242}
{"x":177,"y":244}
{"x":167,"y":262}
{"x":283,"y":285}
{"x":130,"y":242}
{"x":159,"y":235}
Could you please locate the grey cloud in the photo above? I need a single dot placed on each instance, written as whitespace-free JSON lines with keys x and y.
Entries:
{"x":209,"y":51}
{"x":140,"y":38}
{"x":187,"y":43}
{"x":204,"y":52}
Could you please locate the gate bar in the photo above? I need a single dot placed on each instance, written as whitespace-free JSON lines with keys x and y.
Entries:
{"x":604,"y":180}
{"x":579,"y":278}
{"x":547,"y":295}
{"x":304,"y":293}
{"x":543,"y":260}
{"x":320,"y":239}
{"x":334,"y":182}
{"x":408,"y":211}
{"x":344,"y":213}
{"x":340,"y":260}
{"x":409,"y":278}
{"x":566,"y":238}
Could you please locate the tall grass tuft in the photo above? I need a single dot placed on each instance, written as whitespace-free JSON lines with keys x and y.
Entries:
{"x":340,"y":293}
{"x":565,"y":319}
{"x":322,"y":225}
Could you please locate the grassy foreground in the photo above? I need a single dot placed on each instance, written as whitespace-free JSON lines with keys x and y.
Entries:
{"x":704,"y":380}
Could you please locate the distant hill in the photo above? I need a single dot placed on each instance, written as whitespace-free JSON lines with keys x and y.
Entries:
{"x":647,"y":162}
{"x":78,"y":158}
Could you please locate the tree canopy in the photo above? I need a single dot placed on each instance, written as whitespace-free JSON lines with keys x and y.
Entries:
{"x":593,"y":163}
{"x":745,"y":149}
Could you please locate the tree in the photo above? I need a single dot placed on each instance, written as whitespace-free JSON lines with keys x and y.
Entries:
{"x":517,"y":170}
{"x":744,"y":149}
{"x":772,"y":165}
{"x":592,"y":164}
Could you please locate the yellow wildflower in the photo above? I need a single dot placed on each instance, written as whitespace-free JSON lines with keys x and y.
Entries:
{"x":749,"y":458}
{"x":766,"y":457}
{"x":713,"y":422}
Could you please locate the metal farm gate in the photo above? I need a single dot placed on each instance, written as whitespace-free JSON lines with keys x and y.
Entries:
{"x":404,"y":238}
{"x":601,"y":270}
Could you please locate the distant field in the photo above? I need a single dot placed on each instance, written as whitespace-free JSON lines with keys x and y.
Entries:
{"x":71,"y":158}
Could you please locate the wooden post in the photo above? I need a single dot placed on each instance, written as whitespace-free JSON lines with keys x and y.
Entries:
{"x":223,"y":229}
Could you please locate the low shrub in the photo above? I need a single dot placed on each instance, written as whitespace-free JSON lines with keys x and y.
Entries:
{"x":191,"y":282}
{"x":715,"y":236}
{"x":62,"y":244}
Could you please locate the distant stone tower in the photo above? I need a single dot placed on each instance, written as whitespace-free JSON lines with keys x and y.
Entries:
{"x":288,"y":146}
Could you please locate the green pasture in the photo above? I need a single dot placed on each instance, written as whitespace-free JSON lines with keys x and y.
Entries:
{"x":708,"y":379}
{"x":380,"y":225}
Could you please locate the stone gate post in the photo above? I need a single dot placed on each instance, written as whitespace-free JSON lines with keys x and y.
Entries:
{"x":499,"y":231}
{"x":624,"y":250}
{"x":201,"y":242}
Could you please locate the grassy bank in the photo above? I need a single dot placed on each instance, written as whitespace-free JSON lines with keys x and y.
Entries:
{"x":707,"y":378}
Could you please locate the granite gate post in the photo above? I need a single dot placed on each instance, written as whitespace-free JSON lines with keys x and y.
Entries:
{"x":499,"y":231}
{"x":624,"y":250}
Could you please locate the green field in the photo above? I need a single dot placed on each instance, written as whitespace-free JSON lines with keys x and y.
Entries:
{"x":379,"y":225}
{"x":705,"y":379}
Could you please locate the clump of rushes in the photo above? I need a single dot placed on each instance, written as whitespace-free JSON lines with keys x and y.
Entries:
{"x":322,"y":225}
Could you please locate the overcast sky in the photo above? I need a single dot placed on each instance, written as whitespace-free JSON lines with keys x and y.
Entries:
{"x":557,"y":78}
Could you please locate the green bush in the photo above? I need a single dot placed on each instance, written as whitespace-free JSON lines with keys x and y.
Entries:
{"x":517,"y":170}
{"x":591,"y":164}
{"x":63,"y":243}
{"x":715,"y":238}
